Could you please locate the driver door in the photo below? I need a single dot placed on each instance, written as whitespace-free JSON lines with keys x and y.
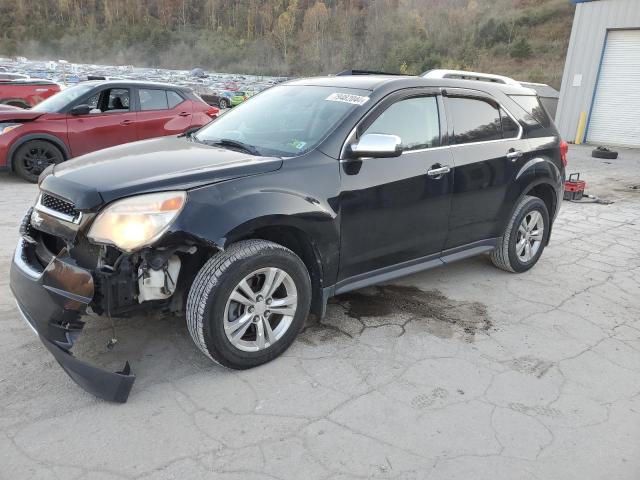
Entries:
{"x":112,"y":121}
{"x":392,"y":209}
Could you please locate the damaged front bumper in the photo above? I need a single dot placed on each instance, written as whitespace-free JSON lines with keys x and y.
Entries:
{"x":52,"y":300}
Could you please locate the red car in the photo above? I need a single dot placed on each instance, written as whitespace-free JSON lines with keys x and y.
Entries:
{"x":25,"y":93}
{"x":95,"y":115}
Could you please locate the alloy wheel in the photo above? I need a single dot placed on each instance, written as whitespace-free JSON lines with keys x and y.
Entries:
{"x":36,"y":159}
{"x":260,"y":309}
{"x":530,"y":236}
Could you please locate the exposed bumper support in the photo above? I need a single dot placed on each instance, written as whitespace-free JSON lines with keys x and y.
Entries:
{"x":52,"y":302}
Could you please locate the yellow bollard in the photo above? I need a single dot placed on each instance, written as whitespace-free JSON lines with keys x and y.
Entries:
{"x":582,"y":124}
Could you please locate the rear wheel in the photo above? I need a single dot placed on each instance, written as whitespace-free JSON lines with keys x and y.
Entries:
{"x":33,"y":157}
{"x":224,"y":103}
{"x":248,"y":303}
{"x":525,"y":237}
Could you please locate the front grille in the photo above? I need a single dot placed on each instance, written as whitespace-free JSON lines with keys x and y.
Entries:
{"x":58,"y":205}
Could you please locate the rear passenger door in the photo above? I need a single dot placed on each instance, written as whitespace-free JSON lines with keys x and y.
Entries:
{"x":487,"y":152}
{"x":162,"y":112}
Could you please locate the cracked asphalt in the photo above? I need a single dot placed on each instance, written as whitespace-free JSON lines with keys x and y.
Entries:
{"x":460,"y":372}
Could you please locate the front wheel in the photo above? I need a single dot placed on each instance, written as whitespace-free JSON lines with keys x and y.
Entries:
{"x":224,"y":103}
{"x":525,"y":237}
{"x":33,"y":157}
{"x":248,"y":303}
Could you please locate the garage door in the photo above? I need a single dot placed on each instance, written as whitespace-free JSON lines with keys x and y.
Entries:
{"x":615,"y":117}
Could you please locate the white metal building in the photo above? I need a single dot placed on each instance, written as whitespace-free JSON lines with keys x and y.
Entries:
{"x":602,"y":74}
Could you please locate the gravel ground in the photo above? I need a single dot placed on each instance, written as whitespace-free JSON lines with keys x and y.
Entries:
{"x":460,"y":372}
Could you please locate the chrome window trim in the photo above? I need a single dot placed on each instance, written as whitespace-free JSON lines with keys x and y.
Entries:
{"x":520,"y":131}
{"x":518,"y":137}
{"x":428,"y":149}
{"x":343,"y":150}
{"x":53,"y":213}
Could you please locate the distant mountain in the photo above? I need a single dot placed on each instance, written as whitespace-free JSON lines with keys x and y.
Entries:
{"x":526,"y":39}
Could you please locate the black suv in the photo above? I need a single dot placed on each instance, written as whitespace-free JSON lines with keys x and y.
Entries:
{"x":308,"y":190}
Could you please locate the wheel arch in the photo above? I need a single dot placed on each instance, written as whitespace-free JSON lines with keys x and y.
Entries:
{"x":37,"y":136}
{"x":544,"y":189}
{"x":546,"y":193}
{"x":16,"y":102}
{"x":302,"y":244}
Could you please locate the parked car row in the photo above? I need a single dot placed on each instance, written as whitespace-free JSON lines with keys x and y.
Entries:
{"x":95,"y":115}
{"x":225,"y":98}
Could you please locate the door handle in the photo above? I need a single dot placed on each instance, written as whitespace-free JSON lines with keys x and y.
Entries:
{"x":125,"y":122}
{"x":184,"y":114}
{"x":514,"y":155}
{"x":437,"y":171}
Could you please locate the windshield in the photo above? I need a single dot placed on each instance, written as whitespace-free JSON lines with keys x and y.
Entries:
{"x":285,"y":121}
{"x":61,"y":99}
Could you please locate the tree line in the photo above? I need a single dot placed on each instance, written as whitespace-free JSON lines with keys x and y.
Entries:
{"x":526,"y":38}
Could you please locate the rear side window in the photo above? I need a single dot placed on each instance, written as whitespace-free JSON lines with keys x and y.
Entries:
{"x":173,"y":98}
{"x":531,"y":104}
{"x":474,"y":120}
{"x":153,"y":99}
{"x":414,"y":120}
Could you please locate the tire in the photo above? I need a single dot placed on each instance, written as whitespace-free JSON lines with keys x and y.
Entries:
{"x":33,"y":157}
{"x":224,"y":103}
{"x":210,"y":304}
{"x":602,"y":152}
{"x":511,"y":254}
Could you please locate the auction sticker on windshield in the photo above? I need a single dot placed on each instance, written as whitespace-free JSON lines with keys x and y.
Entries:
{"x":347,"y":98}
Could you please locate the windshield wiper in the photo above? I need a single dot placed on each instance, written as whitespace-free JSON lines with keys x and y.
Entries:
{"x":227,"y":142}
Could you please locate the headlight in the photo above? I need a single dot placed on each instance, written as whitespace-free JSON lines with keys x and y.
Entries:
{"x":7,"y":127}
{"x":138,"y":221}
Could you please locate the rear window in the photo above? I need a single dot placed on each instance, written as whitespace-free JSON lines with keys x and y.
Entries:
{"x":531,"y":104}
{"x":174,"y":99}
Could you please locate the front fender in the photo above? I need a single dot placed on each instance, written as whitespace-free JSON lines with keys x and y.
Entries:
{"x":224,"y":213}
{"x":57,"y":141}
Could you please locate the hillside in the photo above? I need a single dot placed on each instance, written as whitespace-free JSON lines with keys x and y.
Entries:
{"x":523,"y":38}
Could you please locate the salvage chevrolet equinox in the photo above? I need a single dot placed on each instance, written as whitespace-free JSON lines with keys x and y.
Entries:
{"x":308,"y":190}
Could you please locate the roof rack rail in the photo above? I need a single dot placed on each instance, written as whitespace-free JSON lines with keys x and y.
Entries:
{"x":345,"y":73}
{"x":462,"y":75}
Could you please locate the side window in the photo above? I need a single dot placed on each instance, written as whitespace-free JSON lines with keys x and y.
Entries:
{"x":174,"y":99}
{"x":152,"y":99}
{"x":510,"y":129}
{"x":93,"y":103}
{"x":474,"y":120}
{"x":118,"y":99}
{"x":531,"y":105}
{"x":414,"y":120}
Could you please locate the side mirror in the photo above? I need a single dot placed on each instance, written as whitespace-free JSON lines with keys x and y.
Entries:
{"x":377,"y":145}
{"x":80,"y":110}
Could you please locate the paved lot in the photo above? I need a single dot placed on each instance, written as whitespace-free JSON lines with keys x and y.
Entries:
{"x":457,"y":373}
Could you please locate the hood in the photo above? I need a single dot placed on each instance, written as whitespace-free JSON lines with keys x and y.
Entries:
{"x":17,"y":114}
{"x":167,"y":163}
